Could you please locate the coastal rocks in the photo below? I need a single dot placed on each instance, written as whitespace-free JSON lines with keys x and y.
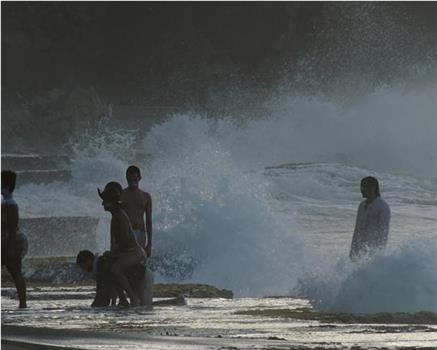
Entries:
{"x":422,"y":317}
{"x":38,"y":169}
{"x":190,"y":290}
{"x":62,"y":271}
{"x":38,"y":291}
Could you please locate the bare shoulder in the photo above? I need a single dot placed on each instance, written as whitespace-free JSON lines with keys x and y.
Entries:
{"x":147,"y":196}
{"x":125,"y":193}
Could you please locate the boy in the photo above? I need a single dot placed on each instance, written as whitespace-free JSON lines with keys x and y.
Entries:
{"x":124,"y":246}
{"x":14,"y":243}
{"x":138,"y":203}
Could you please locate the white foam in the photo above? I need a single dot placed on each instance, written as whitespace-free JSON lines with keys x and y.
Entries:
{"x":215,"y":203}
{"x":401,"y":280}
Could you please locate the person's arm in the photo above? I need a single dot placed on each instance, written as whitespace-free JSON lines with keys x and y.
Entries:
{"x":12,"y":226}
{"x":384,"y":225}
{"x":113,"y":247}
{"x":149,"y":224}
{"x":355,"y":238}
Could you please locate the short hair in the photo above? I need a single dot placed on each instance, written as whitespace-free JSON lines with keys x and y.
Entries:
{"x":111,"y":193}
{"x":133,"y":169}
{"x":84,"y":256}
{"x":372,"y":182}
{"x":8,"y":179}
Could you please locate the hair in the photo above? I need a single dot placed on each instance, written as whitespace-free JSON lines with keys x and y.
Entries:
{"x":114,"y":186}
{"x":8,"y":179}
{"x":372,"y":182}
{"x":133,"y":169}
{"x":84,"y":256}
{"x":111,"y":193}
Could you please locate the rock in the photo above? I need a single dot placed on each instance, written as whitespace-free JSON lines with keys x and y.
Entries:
{"x":63,"y":270}
{"x":190,"y":290}
{"x":422,"y":317}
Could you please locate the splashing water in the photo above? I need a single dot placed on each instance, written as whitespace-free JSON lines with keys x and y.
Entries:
{"x":403,"y":280}
{"x":258,"y":229}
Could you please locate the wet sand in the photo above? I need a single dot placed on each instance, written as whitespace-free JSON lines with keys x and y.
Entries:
{"x":62,"y":317}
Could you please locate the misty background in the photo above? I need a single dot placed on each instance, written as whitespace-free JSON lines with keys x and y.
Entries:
{"x":253,"y":124}
{"x":65,"y":65}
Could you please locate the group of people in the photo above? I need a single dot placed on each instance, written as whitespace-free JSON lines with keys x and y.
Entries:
{"x":123,"y":269}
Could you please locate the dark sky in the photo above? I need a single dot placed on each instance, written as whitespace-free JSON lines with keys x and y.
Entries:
{"x":63,"y":62}
{"x":172,"y":46}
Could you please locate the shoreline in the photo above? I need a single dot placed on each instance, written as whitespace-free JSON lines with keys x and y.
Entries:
{"x":160,"y":290}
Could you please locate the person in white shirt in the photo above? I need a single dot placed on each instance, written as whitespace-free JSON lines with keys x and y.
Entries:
{"x":372,"y":223}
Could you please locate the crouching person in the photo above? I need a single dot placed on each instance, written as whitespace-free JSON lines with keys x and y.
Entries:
{"x":100,"y":269}
{"x":124,"y":247}
{"x":106,"y":288}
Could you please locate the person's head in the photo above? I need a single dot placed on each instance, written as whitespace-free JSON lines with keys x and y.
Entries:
{"x":85,"y":260}
{"x":111,"y":195}
{"x":133,"y":176}
{"x":8,"y":181}
{"x":370,"y":187}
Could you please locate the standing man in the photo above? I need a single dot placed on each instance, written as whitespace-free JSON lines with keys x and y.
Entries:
{"x":138,"y":203}
{"x":372,"y":223}
{"x":14,"y":243}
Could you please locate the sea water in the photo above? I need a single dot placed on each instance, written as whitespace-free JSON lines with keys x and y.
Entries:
{"x":266,"y":206}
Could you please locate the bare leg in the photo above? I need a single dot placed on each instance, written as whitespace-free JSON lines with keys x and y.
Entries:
{"x":119,"y":268}
{"x":14,"y":268}
{"x":147,"y":295}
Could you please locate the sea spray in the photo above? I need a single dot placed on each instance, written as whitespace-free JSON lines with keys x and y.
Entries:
{"x":403,"y":280}
{"x":220,"y":205}
{"x":211,"y":209}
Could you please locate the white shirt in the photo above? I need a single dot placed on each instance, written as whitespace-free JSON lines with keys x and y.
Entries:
{"x":371,"y":227}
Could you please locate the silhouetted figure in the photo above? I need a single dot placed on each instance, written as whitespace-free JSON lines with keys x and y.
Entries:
{"x":107,"y":289}
{"x":100,"y":267}
{"x":124,"y":246}
{"x":14,"y":243}
{"x":372,"y":223}
{"x":138,"y":203}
